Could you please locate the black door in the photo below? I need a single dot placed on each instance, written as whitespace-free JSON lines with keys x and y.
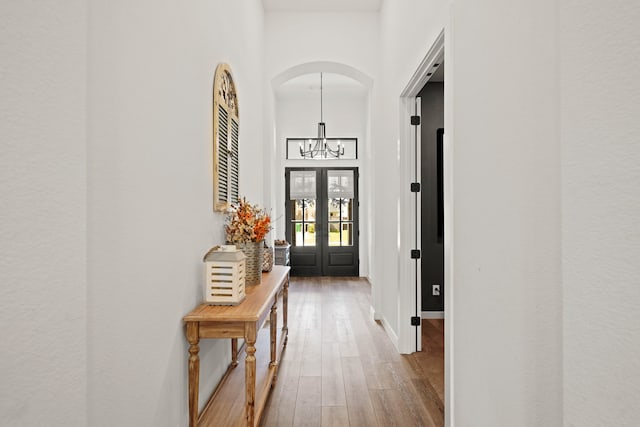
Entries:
{"x":322,"y":221}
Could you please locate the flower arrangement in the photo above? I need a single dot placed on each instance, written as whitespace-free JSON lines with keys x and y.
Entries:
{"x":246,"y":223}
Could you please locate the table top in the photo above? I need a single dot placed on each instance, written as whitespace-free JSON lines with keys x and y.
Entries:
{"x":258,"y":299}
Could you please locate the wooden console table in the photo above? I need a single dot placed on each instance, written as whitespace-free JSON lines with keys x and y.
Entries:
{"x":241,"y":321}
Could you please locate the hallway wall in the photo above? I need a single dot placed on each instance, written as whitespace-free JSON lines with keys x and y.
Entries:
{"x":43,"y":350}
{"x":150,"y":219}
{"x":294,"y":38}
{"x":507,"y":286}
{"x":600,"y":137}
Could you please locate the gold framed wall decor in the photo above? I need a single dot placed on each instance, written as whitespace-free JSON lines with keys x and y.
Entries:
{"x":226,"y":125}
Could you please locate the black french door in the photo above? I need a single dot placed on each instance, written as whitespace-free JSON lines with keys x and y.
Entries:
{"x":322,"y":221}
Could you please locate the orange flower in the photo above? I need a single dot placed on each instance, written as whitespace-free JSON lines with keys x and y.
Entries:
{"x":247,"y":223}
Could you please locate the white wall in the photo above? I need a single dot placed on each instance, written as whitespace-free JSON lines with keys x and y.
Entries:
{"x":507,"y":289}
{"x":344,"y":112}
{"x":601,"y":208}
{"x":294,"y":38}
{"x":43,"y":355}
{"x":150,"y":218}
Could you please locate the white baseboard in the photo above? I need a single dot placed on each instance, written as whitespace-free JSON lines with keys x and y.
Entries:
{"x":373,"y":313}
{"x":432,"y":315}
{"x":390,"y":333}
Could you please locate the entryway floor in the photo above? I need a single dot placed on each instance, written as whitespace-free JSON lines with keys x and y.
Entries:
{"x":341,"y":369}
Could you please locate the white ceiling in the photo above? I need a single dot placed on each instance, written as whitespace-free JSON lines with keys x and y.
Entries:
{"x":322,"y":5}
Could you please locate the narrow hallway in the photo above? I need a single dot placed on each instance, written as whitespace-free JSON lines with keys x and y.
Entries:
{"x":341,"y":369}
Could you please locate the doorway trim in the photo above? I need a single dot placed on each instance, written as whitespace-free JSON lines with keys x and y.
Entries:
{"x":408,"y":303}
{"x":410,"y":297}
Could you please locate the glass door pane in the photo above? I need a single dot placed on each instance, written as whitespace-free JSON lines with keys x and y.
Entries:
{"x":340,"y":224}
{"x":303,"y":222}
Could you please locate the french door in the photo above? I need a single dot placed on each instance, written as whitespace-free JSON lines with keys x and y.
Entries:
{"x":322,"y":221}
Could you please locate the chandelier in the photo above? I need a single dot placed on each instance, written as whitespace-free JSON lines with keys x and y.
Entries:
{"x":319,"y":148}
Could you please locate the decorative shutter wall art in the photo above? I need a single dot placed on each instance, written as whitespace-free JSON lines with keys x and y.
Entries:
{"x":226,"y":121}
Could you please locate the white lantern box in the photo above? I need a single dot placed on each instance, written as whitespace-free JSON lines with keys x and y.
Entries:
{"x":224,"y":276}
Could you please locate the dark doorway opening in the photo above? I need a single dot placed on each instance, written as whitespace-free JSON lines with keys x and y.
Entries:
{"x":432,"y":208}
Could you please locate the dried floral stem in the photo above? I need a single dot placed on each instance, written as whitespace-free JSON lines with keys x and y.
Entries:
{"x":247,"y":223}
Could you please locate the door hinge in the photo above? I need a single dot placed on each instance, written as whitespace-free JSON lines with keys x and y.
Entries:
{"x":415,"y":120}
{"x":415,"y":321}
{"x":415,"y":187}
{"x":415,"y":253}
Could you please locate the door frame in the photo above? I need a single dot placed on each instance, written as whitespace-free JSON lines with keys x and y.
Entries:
{"x":410,"y":297}
{"x":407,"y":302}
{"x":322,"y":249}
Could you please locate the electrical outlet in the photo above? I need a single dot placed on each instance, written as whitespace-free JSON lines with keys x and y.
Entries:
{"x":435,"y":290}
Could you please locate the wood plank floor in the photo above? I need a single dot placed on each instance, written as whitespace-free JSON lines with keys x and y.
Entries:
{"x":340,"y":368}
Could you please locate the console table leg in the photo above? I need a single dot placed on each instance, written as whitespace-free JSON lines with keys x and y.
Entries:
{"x":194,"y":371}
{"x":250,"y":372}
{"x":273,"y":330}
{"x":285,"y":309}
{"x":234,"y":352}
